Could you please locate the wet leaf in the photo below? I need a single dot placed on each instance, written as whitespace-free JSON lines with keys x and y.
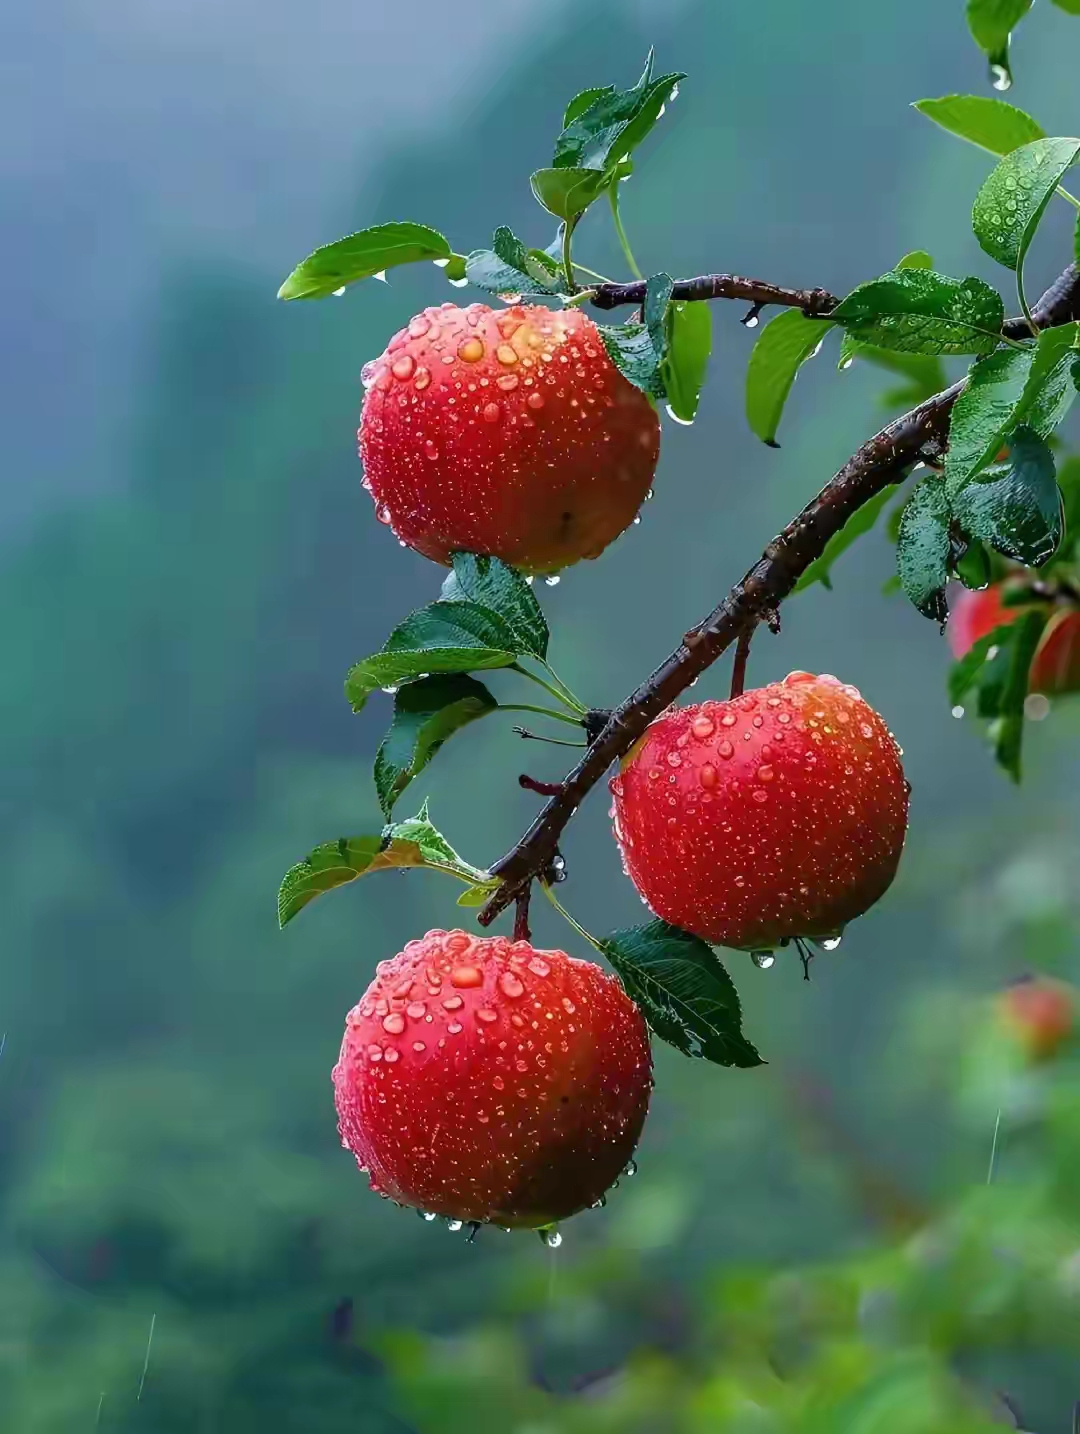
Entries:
{"x":922,"y":548}
{"x":689,"y":343}
{"x":991,"y":124}
{"x":494,"y":585}
{"x":631,"y":350}
{"x":426,"y":713}
{"x":1015,"y":506}
{"x":361,"y":255}
{"x":860,"y":522}
{"x":603,"y":126}
{"x":997,"y":670}
{"x":684,"y":991}
{"x":443,"y":637}
{"x":991,"y":23}
{"x":657,"y":293}
{"x":785,"y":344}
{"x":567,"y":193}
{"x":1011,"y":203}
{"x":919,"y":311}
{"x":410,"y":843}
{"x":505,"y":268}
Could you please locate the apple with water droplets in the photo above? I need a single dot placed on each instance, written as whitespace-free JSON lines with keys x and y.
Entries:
{"x":1055,"y":666}
{"x":484,"y":1080}
{"x":778,"y":815}
{"x":508,"y":433}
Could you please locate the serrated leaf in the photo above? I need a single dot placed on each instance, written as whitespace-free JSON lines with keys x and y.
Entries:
{"x":567,"y":193}
{"x":684,"y":991}
{"x":503,"y":591}
{"x":410,"y":843}
{"x":613,"y":123}
{"x":924,"y":372}
{"x":686,"y":359}
{"x":361,"y":255}
{"x":1029,"y":386}
{"x":997,"y":667}
{"x":426,"y":713}
{"x":920,"y":311}
{"x":631,"y":350}
{"x":1010,"y":204}
{"x":991,"y":124}
{"x":860,"y":522}
{"x":785,"y":344}
{"x":922,"y":548}
{"x":581,"y":102}
{"x":658,"y":289}
{"x":443,"y":637}
{"x":991,"y":23}
{"x":505,"y":267}
{"x":1015,"y":506}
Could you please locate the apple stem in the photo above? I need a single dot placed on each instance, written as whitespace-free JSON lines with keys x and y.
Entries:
{"x":738,"y":670}
{"x":521,"y":915}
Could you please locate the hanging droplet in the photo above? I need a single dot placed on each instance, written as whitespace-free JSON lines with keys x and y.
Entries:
{"x":427,"y":1215}
{"x":338,"y":292}
{"x":762,"y":959}
{"x":958,"y":711}
{"x":683,"y":422}
{"x":454,"y":1225}
{"x":550,"y":1236}
{"x":631,"y":1168}
{"x":830,"y":943}
{"x":1000,"y":77}
{"x":553,"y":580}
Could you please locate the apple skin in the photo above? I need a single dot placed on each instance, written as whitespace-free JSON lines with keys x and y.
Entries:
{"x":777,"y":815}
{"x":1039,"y":1013}
{"x":508,"y":433}
{"x":482,"y":1079}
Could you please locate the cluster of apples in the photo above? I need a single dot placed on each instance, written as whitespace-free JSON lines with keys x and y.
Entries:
{"x":484,"y":1080}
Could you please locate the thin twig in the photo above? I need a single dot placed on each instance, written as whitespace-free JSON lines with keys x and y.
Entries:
{"x":815,"y":303}
{"x":738,"y":669}
{"x":881,"y":461}
{"x":521,"y":915}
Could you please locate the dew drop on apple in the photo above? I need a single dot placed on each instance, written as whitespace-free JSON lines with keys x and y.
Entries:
{"x":427,"y":1215}
{"x":454,"y":1226}
{"x":551,"y":1237}
{"x":830,"y":943}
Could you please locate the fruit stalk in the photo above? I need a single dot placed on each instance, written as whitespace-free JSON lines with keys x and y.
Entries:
{"x":882,"y":460}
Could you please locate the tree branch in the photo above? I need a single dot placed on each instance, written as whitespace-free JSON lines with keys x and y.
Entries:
{"x":813,"y":302}
{"x":882,"y":460}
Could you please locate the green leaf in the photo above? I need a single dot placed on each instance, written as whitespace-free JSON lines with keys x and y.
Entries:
{"x":922,"y":548}
{"x":1028,"y":386}
{"x":991,"y":124}
{"x":411,"y":843}
{"x":425,"y":714}
{"x":998,"y":668}
{"x":924,"y":372}
{"x":1012,"y":201}
{"x":1069,"y":484}
{"x":1015,"y":506}
{"x":443,"y":637}
{"x":658,"y":289}
{"x":860,"y":522}
{"x":478,"y":895}
{"x":1071,"y":7}
{"x":919,"y":311}
{"x":505,"y":267}
{"x":631,"y":350}
{"x":1076,"y":240}
{"x":361,"y":255}
{"x":689,"y":343}
{"x":501,"y":590}
{"x":567,"y":193}
{"x":613,"y":123}
{"x":785,"y":344}
{"x":991,"y":23}
{"x":581,"y":102}
{"x":684,"y":991}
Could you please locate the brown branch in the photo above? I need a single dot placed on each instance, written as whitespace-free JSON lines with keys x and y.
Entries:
{"x":816,"y":303}
{"x":882,"y":460}
{"x":738,"y":669}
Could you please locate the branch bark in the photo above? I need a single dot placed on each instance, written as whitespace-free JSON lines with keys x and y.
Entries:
{"x":884,"y":459}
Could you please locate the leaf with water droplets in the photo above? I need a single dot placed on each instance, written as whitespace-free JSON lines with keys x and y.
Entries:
{"x":505,"y":267}
{"x":991,"y":124}
{"x":922,"y":548}
{"x":997,"y":667}
{"x":860,"y":522}
{"x":658,"y":289}
{"x":1011,"y":203}
{"x":686,"y":357}
{"x":991,"y":23}
{"x":500,"y":589}
{"x":632,"y":351}
{"x":1029,"y":386}
{"x":443,"y":637}
{"x":567,"y":193}
{"x":361,"y":256}
{"x":426,"y":713}
{"x":602,"y":126}
{"x":684,"y":991}
{"x":924,"y":372}
{"x":410,"y":843}
{"x":1015,"y":506}
{"x":785,"y":344}
{"x":919,"y":311}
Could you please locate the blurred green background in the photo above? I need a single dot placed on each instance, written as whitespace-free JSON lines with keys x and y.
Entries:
{"x":188,"y":567}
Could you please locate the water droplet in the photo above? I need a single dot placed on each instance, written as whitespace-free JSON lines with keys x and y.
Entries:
{"x":415,"y":1010}
{"x":427,"y":1215}
{"x":762,"y":959}
{"x":707,"y":775}
{"x":394,"y":1023}
{"x":866,"y":729}
{"x":568,"y":1006}
{"x":391,"y":1054}
{"x":765,"y":774}
{"x":551,"y":1237}
{"x":1000,"y":77}
{"x":466,"y":976}
{"x":830,"y":943}
{"x":455,"y":1225}
{"x":381,"y":276}
{"x":374,"y":1053}
{"x":487,"y":1015}
{"x":492,"y":413}
{"x":725,"y":750}
{"x":430,"y":450}
{"x":419,"y":1046}
{"x":599,"y":1204}
{"x":454,"y":1027}
{"x":510,"y":986}
{"x":1036,"y":707}
{"x":507,"y":382}
{"x":423,"y":378}
{"x":458,"y":284}
{"x":471,"y":350}
{"x":682,"y":422}
{"x":553,"y":580}
{"x":674,"y":760}
{"x":419,"y":326}
{"x":535,"y":400}
{"x":539,"y":967}
{"x":760,"y":795}
{"x":382,"y":512}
